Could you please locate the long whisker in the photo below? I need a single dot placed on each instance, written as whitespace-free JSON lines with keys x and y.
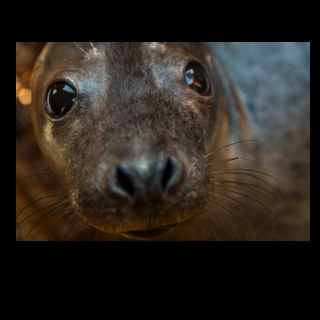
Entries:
{"x":229,"y":145}
{"x":46,"y":216}
{"x":214,"y":232}
{"x":273,"y":214}
{"x":84,"y":227}
{"x":229,"y":160}
{"x":231,"y":199}
{"x":232,"y":206}
{"x":228,"y":219}
{"x":45,"y":191}
{"x":94,"y":49}
{"x":264,"y":182}
{"x":244,"y":174}
{"x":249,"y":170}
{"x":38,"y":174}
{"x":238,"y":209}
{"x":71,"y":228}
{"x":38,"y":211}
{"x":251,"y":186}
{"x":246,"y":190}
{"x":60,"y":226}
{"x":85,"y":53}
{"x":33,"y":202}
{"x":225,"y":214}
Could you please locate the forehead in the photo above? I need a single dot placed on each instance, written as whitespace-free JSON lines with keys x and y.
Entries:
{"x":99,"y":66}
{"x":126,"y":54}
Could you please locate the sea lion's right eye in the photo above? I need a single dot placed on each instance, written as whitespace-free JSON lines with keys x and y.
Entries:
{"x":61,"y":96}
{"x":197,"y":78}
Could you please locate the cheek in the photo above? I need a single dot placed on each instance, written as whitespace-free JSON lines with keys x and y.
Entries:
{"x":194,"y":108}
{"x":55,"y":145}
{"x":48,"y":134}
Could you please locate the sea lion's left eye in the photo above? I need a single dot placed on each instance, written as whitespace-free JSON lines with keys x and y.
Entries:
{"x":60,"y":99}
{"x":196,"y":78}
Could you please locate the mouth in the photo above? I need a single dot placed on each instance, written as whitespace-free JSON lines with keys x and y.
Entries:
{"x":149,"y":234}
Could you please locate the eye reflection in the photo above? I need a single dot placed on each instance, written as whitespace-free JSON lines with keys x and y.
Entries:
{"x":60,"y":99}
{"x":196,"y":78}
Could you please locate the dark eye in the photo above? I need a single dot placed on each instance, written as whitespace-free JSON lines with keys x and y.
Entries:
{"x":196,"y":78}
{"x":60,"y":99}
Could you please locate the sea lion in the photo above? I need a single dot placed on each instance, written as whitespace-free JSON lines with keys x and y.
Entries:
{"x":140,"y":137}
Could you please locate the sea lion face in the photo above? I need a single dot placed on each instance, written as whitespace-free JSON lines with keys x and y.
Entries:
{"x":127,"y":127}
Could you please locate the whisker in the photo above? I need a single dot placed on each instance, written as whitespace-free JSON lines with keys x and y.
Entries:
{"x":204,"y":237}
{"x":226,"y":215}
{"x":94,"y":49}
{"x":245,"y":174}
{"x":71,"y":228}
{"x":245,"y":190}
{"x":40,"y":220}
{"x":46,"y":216}
{"x":85,"y":53}
{"x":84,"y":227}
{"x":249,"y":170}
{"x":229,"y":145}
{"x":225,"y":210}
{"x":232,"y":206}
{"x":33,"y":202}
{"x":231,"y":199}
{"x":261,"y":180}
{"x":215,"y":220}
{"x":251,"y":186}
{"x":212,"y":229}
{"x":38,"y":174}
{"x":60,"y":226}
{"x":239,"y":210}
{"x":254,"y":201}
{"x":45,"y":191}
{"x":191,"y":168}
{"x":34,"y":213}
{"x":228,"y":219}
{"x":229,"y":160}
{"x":241,"y":189}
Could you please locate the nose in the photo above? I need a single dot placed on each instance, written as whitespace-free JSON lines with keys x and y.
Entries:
{"x":145,"y":180}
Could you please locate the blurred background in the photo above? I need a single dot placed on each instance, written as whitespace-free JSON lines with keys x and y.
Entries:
{"x":26,"y":54}
{"x":273,"y":79}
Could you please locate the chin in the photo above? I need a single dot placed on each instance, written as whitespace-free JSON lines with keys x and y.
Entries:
{"x":149,"y":234}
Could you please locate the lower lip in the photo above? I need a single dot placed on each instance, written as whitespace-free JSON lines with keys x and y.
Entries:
{"x":149,"y":234}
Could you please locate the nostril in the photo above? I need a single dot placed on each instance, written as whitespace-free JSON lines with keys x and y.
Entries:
{"x":145,"y":180}
{"x":171,"y":175}
{"x":124,"y":181}
{"x":167,"y":174}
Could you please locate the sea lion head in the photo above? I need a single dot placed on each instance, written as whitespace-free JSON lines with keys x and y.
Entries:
{"x":127,"y":127}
